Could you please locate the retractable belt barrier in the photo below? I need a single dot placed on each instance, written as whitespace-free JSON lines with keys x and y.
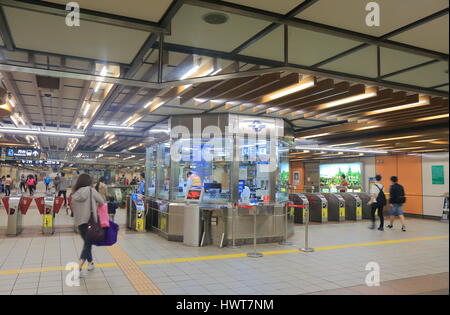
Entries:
{"x":288,"y":213}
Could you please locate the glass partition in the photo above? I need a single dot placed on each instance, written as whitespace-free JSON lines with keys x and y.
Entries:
{"x":163,"y":170}
{"x":150,"y":172}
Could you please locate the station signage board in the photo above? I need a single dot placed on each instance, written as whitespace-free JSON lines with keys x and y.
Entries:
{"x":28,"y":153}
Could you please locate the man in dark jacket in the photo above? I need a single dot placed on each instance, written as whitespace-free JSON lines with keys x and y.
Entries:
{"x":397,"y":199}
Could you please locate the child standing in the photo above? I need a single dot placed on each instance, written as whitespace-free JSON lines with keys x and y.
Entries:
{"x":112,"y":206}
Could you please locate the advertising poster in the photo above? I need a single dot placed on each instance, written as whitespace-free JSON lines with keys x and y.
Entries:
{"x":296,"y":178}
{"x":437,"y":173}
{"x":330,"y":175}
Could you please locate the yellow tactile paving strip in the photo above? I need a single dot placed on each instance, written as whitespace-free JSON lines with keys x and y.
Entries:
{"x":121,"y":257}
{"x":142,"y":284}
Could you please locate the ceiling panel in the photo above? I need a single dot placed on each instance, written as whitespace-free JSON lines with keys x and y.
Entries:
{"x":395,"y":60}
{"x":433,"y":35}
{"x":362,"y":62}
{"x":139,"y":9}
{"x":89,"y":40}
{"x":427,"y":76}
{"x":308,"y":47}
{"x":189,"y":28}
{"x":278,"y":6}
{"x":351,"y":14}
{"x":270,"y":46}
{"x":445,"y":88}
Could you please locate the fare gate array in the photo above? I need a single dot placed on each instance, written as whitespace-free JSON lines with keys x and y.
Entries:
{"x":17,"y":206}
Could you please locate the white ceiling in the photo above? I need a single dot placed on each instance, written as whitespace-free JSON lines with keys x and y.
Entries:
{"x":351,"y":14}
{"x":427,"y":76}
{"x":270,"y":46}
{"x":395,"y":60}
{"x":278,"y":6}
{"x":150,"y":10}
{"x":362,"y":62}
{"x":188,"y":28}
{"x":433,"y":35}
{"x":308,"y":47}
{"x":89,"y":40}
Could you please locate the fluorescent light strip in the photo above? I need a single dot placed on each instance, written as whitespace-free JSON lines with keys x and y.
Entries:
{"x":112,"y":127}
{"x":41,"y":132}
{"x":217,"y":71}
{"x":370,"y":92}
{"x":432,"y":117}
{"x":427,"y":140}
{"x":11,"y":102}
{"x":422,"y":102}
{"x":399,"y":138}
{"x":193,"y":70}
{"x":410,"y":148}
{"x":302,"y":85}
{"x":130,"y":157}
{"x":367,"y":128}
{"x":324,"y":149}
{"x":317,"y":136}
{"x":86,"y":109}
{"x":343,"y":144}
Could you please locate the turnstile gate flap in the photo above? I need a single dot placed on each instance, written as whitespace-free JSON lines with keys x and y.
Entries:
{"x":24,"y":204}
{"x":58,"y":203}
{"x":5,"y":201}
{"x":40,"y":204}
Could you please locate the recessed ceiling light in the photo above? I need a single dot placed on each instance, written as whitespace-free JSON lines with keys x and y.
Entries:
{"x":215,"y":18}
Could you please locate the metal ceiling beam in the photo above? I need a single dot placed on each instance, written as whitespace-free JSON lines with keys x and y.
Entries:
{"x":85,"y":15}
{"x":5,"y":32}
{"x":313,"y":26}
{"x":267,"y":30}
{"x":408,"y":69}
{"x":385,"y":38}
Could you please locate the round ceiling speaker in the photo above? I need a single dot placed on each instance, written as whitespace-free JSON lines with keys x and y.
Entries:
{"x":6,"y":109}
{"x":215,"y":18}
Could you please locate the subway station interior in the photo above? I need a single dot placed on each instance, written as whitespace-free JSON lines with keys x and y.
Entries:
{"x":232,"y":148}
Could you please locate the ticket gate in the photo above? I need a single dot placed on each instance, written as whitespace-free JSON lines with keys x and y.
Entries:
{"x":135,"y":213}
{"x":48,"y":207}
{"x":353,"y":205}
{"x":16,"y":207}
{"x":366,"y":209}
{"x":336,"y":207}
{"x":318,"y":206}
{"x":299,"y":213}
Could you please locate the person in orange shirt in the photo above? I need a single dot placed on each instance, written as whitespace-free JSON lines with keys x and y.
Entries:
{"x":343,"y":183}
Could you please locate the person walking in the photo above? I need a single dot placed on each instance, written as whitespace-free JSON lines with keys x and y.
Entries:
{"x":85,"y":201}
{"x":47,"y":181}
{"x":377,"y":201}
{"x":112,"y":207}
{"x":101,"y":188}
{"x":31,"y":184}
{"x":8,"y":183}
{"x":22,"y":185}
{"x":396,"y":199}
{"x":2,"y":184}
{"x":62,"y":188}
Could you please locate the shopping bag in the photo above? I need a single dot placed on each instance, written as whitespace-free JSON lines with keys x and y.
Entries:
{"x":111,"y":234}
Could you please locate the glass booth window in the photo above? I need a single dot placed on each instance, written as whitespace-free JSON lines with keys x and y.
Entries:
{"x":282,"y":182}
{"x":150,"y":176}
{"x":210,"y":168}
{"x":163,"y":171}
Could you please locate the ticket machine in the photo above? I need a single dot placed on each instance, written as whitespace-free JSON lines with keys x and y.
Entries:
{"x":135,"y":213}
{"x":48,"y":207}
{"x":16,"y":207}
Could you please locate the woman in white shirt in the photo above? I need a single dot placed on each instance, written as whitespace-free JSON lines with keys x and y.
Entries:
{"x":377,"y":201}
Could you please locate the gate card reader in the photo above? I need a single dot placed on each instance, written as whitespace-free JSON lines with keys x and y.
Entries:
{"x":12,"y":206}
{"x":341,"y":202}
{"x":136,"y":213}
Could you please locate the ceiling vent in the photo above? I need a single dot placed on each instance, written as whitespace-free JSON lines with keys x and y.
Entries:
{"x":215,"y":18}
{"x":47,"y":83}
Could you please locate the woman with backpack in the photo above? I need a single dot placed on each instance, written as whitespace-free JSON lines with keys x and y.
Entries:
{"x":396,"y":199}
{"x":377,"y":201}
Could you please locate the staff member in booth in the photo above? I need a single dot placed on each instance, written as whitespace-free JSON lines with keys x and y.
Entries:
{"x":193,"y":181}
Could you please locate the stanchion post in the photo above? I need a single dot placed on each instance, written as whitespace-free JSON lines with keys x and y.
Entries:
{"x":307,"y":249}
{"x":255,"y":254}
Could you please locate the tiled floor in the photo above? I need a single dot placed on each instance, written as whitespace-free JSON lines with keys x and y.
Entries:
{"x":422,"y":251}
